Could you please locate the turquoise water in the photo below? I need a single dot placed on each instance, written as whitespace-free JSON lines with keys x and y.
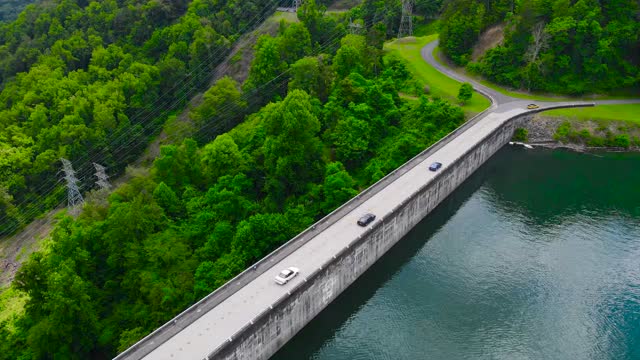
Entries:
{"x":536,"y":256}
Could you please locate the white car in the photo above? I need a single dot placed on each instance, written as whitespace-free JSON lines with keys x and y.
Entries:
{"x":286,"y":275}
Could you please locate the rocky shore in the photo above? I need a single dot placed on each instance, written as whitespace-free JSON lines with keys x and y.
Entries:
{"x":579,"y":135}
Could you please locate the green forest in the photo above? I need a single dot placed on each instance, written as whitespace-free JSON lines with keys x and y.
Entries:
{"x":319,"y":118}
{"x":558,"y":46}
{"x":9,"y":9}
{"x":323,"y":114}
{"x":93,"y":82}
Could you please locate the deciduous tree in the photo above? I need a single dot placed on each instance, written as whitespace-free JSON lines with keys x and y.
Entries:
{"x":465,"y":93}
{"x":292,"y":149}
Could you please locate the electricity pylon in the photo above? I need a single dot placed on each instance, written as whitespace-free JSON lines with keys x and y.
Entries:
{"x":354,"y":27}
{"x":73,"y":191}
{"x":103,"y":178}
{"x":406,"y":22}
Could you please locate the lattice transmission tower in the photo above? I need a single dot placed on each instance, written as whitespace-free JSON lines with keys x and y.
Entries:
{"x":103,"y":178}
{"x":296,"y":4}
{"x":73,"y":191}
{"x":355,"y":27}
{"x":406,"y":22}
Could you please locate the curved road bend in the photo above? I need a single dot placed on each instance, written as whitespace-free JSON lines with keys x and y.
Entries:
{"x":497,"y":98}
{"x":213,"y":328}
{"x":216,"y":326}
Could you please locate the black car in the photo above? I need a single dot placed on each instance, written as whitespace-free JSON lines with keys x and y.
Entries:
{"x":435,"y":166}
{"x":366,"y":219}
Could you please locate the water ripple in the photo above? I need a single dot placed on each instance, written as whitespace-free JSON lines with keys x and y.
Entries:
{"x":527,"y":266}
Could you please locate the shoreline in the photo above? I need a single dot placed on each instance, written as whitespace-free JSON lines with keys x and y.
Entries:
{"x":553,"y":132}
{"x":581,"y":148}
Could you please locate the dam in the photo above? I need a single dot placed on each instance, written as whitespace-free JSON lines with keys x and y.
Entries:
{"x":251,"y":317}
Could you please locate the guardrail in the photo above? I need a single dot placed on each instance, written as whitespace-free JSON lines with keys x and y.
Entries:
{"x":180,"y":321}
{"x":377,"y":225}
{"x":315,"y":273}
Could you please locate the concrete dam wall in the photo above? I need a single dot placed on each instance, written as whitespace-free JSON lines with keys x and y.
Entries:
{"x":273,"y":328}
{"x":250,"y":317}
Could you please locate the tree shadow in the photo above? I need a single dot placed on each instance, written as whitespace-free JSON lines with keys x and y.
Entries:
{"x":323,"y":328}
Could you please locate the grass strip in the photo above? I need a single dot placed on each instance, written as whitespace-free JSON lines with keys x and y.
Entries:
{"x":626,"y":112}
{"x":439,"y":84}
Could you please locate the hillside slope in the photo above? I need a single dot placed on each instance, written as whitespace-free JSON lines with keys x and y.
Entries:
{"x":560,"y":46}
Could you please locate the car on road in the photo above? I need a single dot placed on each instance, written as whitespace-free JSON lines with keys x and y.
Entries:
{"x":286,"y":275}
{"x":435,"y":166}
{"x":366,"y":219}
{"x":532,"y":106}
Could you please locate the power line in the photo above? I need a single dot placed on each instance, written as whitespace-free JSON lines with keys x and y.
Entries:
{"x":159,"y":109}
{"x":406,"y":22}
{"x":103,"y":179}
{"x":227,"y":111}
{"x":355,"y":27}
{"x":74,"y":197}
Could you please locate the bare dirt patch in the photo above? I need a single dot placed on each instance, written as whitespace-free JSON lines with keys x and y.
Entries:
{"x":14,"y":250}
{"x":236,"y":65}
{"x":407,"y":40}
{"x":408,"y":96}
{"x":344,"y":5}
{"x":490,"y":38}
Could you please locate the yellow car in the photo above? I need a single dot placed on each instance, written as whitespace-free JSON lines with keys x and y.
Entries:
{"x":532,"y":106}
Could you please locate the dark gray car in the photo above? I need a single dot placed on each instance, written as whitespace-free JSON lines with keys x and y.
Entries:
{"x":435,"y":166}
{"x":366,"y":219}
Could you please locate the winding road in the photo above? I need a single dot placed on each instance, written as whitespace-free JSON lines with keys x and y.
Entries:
{"x":498,"y":99}
{"x":200,"y":331}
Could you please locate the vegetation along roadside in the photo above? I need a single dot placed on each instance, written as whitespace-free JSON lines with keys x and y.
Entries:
{"x":320,"y":115}
{"x":333,"y":123}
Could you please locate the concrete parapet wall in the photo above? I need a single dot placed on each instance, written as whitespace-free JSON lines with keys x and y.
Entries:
{"x":269,"y":330}
{"x":188,"y":316}
{"x":274,"y":327}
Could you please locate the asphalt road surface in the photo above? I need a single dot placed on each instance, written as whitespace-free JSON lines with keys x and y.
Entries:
{"x":216,"y":326}
{"x":497,"y":98}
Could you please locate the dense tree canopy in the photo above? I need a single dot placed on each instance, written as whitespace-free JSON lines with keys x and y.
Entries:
{"x":84,"y":80}
{"x":465,"y":93}
{"x":9,"y":9}
{"x":92,"y":82}
{"x":557,"y":46}
{"x":168,"y":236}
{"x":292,"y":149}
{"x":313,"y":75}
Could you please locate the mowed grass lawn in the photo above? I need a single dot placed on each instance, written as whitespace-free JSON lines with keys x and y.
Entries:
{"x":439,"y":84}
{"x":437,"y":54}
{"x":625,"y":112}
{"x":447,"y":88}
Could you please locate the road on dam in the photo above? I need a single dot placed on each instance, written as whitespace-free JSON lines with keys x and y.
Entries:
{"x":211,"y":329}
